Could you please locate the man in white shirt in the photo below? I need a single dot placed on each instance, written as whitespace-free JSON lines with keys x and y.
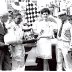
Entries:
{"x":14,"y":37}
{"x":63,"y":45}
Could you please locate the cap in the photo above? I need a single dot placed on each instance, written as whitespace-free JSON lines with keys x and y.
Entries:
{"x":62,"y":13}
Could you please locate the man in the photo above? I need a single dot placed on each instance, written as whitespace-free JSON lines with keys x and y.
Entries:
{"x":63,"y":43}
{"x":9,"y":20}
{"x":14,"y":37}
{"x":69,"y":55}
{"x":5,"y":61}
{"x":45,"y":31}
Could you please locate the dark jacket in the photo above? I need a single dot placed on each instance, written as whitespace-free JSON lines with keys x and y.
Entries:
{"x":2,"y":31}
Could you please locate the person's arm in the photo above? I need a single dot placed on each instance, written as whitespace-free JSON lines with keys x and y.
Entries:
{"x":2,"y":44}
{"x":8,"y":25}
{"x":34,"y":28}
{"x":70,"y":47}
{"x":15,"y":37}
{"x":59,"y":24}
{"x":9,"y":40}
{"x":55,"y":30}
{"x":71,"y":39}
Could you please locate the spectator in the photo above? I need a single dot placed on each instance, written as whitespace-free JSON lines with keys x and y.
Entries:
{"x":63,"y":43}
{"x":5,"y":61}
{"x":15,"y":39}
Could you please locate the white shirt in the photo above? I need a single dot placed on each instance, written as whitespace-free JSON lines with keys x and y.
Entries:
{"x":14,"y":34}
{"x":66,"y":31}
{"x":47,"y":28}
{"x":9,"y":25}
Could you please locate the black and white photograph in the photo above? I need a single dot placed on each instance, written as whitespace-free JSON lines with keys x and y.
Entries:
{"x":35,"y":35}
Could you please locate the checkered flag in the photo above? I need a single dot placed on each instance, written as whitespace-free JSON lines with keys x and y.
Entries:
{"x":31,"y":12}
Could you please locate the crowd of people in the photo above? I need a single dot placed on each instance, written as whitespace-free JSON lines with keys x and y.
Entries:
{"x":12,"y":37}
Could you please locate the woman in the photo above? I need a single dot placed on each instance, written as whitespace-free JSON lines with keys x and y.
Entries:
{"x":45,"y":31}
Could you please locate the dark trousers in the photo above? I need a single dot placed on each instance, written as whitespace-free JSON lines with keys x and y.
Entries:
{"x":5,"y":61}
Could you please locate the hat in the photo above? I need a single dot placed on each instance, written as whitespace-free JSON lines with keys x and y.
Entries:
{"x":19,"y":5}
{"x":62,"y":13}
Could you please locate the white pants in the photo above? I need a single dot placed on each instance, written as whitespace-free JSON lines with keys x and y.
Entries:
{"x":62,"y":52}
{"x":18,"y":54}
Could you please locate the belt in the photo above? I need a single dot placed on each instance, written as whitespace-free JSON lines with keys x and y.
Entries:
{"x":46,"y":37}
{"x":63,"y":40}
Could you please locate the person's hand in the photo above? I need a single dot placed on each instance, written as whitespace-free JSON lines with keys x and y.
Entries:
{"x":70,"y":50}
{"x":35,"y":36}
{"x":2,"y":44}
{"x":41,"y":32}
{"x":20,"y":41}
